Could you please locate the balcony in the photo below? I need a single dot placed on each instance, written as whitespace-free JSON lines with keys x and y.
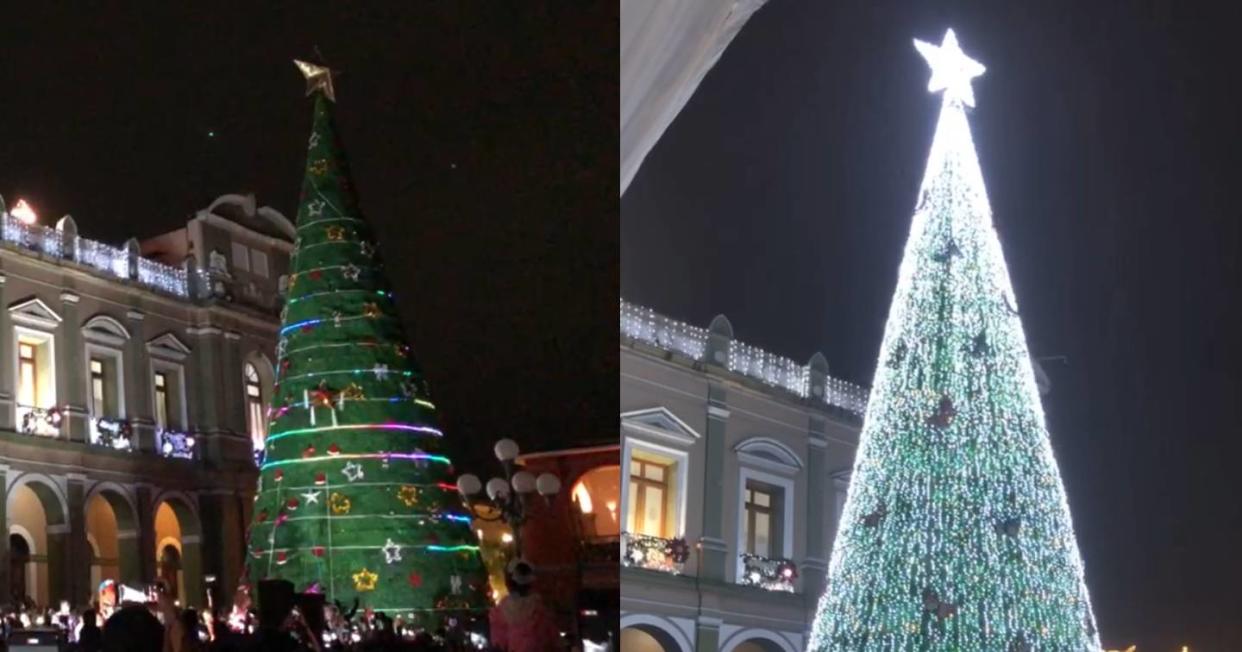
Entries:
{"x":108,"y":432}
{"x":39,"y":421}
{"x":176,"y":444}
{"x":769,"y":574}
{"x":654,"y":553}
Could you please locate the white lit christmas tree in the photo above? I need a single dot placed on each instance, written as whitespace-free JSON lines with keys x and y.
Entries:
{"x":956,"y":534}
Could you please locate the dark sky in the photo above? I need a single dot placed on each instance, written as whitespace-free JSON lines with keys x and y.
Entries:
{"x":482,"y":137}
{"x":1111,"y":144}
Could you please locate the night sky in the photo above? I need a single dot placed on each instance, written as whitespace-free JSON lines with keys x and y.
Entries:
{"x":483,"y":142}
{"x":1111,"y":145}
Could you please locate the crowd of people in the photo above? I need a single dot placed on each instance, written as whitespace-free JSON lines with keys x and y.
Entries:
{"x":123,"y":620}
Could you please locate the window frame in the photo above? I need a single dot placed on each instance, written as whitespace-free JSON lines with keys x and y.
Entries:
{"x":177,"y":405}
{"x":253,"y":401}
{"x":642,"y":481}
{"x":105,"y":354}
{"x":788,"y":497}
{"x":675,"y":523}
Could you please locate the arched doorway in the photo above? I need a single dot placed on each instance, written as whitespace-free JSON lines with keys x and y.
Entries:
{"x":597,"y":497}
{"x":36,"y":516}
{"x":177,"y":553}
{"x":19,"y":566}
{"x":644,"y":638}
{"x":757,"y":645}
{"x":168,"y":566}
{"x":111,"y":534}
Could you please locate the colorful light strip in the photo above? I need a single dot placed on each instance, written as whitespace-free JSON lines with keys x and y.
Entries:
{"x":276,"y":413}
{"x":314,"y":322}
{"x":415,"y":457}
{"x":359,"y":426}
{"x":344,"y":371}
{"x":339,"y":218}
{"x":386,"y":295}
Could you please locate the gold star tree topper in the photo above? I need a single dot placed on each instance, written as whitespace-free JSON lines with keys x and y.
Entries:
{"x":318,"y":78}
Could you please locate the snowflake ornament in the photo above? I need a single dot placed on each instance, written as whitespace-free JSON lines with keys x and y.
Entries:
{"x":353,"y":471}
{"x":350,"y":271}
{"x":381,"y":371}
{"x":311,"y":497}
{"x":315,"y":208}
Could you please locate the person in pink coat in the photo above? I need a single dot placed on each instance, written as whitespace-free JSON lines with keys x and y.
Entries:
{"x":521,"y":622}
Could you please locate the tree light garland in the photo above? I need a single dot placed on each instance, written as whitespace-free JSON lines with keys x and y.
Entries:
{"x":956,"y":534}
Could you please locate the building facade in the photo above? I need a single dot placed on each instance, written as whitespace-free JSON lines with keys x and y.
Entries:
{"x":134,"y":384}
{"x":572,"y":539}
{"x":737,"y":464}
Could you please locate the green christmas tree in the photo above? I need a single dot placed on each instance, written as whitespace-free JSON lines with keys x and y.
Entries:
{"x":354,"y":498}
{"x":956,"y":535}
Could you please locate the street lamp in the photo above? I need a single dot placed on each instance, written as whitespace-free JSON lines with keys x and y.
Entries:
{"x":507,"y":495}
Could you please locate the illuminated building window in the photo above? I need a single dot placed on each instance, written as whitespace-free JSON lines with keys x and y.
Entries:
{"x":161,"y":400}
{"x":256,"y":422}
{"x":650,"y":495}
{"x":761,"y":527}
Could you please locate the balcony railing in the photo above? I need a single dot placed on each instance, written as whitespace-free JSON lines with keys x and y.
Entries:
{"x":108,"y":432}
{"x":176,"y":444}
{"x":39,"y":421}
{"x":113,"y":261}
{"x":771,"y":574}
{"x":654,"y":553}
{"x":646,"y":325}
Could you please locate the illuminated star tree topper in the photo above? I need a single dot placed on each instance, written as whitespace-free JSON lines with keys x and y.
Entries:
{"x":952,"y":70}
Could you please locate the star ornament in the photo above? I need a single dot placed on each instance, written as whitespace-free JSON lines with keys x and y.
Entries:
{"x":318,"y":78}
{"x":392,"y":552}
{"x":951,"y":69}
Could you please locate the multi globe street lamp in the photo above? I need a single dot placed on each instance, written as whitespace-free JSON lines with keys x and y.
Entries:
{"x":507,"y":496}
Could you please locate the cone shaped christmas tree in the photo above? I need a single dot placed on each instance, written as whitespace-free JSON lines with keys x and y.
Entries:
{"x":956,"y":535}
{"x":355,"y":498}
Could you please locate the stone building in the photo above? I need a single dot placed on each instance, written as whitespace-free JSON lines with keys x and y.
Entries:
{"x":133,"y":387}
{"x":737,"y":466}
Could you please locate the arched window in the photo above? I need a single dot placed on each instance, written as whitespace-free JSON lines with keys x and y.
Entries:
{"x":255,"y":419}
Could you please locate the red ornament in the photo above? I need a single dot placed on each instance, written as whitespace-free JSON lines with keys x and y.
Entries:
{"x":280,"y":475}
{"x":416,"y":580}
{"x":333,"y":449}
{"x":321,"y":477}
{"x":256,"y":553}
{"x":309,"y":451}
{"x":262,"y":516}
{"x":282,"y":557}
{"x":315,"y":274}
{"x":317,"y":551}
{"x":291,"y":504}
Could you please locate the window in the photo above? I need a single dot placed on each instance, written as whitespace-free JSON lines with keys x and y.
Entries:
{"x":161,"y":400}
{"x":27,"y":374}
{"x":649,"y":496}
{"x":255,"y":419}
{"x":35,"y":393}
{"x":761,"y":526}
{"x":241,"y":256}
{"x":98,"y":399}
{"x":258,"y":263}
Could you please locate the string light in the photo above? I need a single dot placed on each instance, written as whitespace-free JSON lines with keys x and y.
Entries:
{"x":426,"y":430}
{"x":956,"y":533}
{"x":416,"y":457}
